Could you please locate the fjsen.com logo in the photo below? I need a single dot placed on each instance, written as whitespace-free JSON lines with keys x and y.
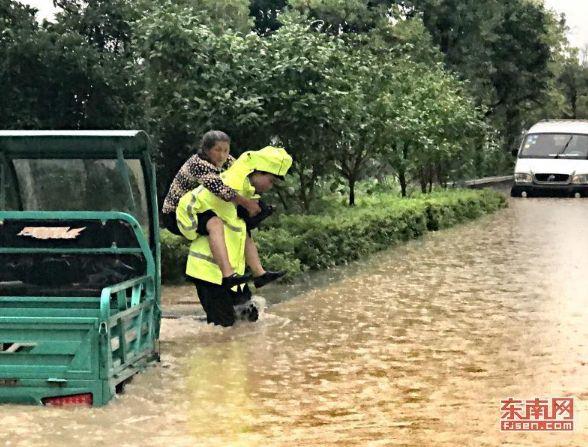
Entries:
{"x":556,"y":414}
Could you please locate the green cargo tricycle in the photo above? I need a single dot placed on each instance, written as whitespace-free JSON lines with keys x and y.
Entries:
{"x":79,"y":264}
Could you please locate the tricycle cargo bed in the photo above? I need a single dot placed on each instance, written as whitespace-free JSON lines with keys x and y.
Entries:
{"x":67,"y":257}
{"x":53,"y":346}
{"x":66,"y":326}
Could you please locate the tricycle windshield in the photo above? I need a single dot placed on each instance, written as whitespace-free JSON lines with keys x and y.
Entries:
{"x":79,"y":185}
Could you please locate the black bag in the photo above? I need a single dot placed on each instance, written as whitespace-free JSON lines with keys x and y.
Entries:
{"x":253,"y":222}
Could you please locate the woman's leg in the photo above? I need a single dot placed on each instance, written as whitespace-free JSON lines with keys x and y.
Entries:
{"x":261,"y":277}
{"x":252,"y":257}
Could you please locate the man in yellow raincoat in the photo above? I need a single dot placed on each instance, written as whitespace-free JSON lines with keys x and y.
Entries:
{"x":253,"y":173}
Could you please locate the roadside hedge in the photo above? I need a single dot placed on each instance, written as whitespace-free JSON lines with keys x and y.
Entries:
{"x":298,"y":243}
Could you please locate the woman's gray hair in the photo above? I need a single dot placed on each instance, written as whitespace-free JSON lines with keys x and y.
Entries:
{"x":210,"y":138}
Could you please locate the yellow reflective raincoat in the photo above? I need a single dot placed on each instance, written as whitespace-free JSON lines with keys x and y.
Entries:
{"x":201,"y":264}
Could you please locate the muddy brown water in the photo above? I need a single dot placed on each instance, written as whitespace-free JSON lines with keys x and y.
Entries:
{"x":416,"y":346}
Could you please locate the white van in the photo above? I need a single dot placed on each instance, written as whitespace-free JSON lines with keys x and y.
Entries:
{"x":553,"y":159}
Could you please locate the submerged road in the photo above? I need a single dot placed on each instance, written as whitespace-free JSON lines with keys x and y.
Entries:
{"x":415,"y":347}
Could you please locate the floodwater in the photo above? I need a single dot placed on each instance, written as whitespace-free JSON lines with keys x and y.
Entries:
{"x":416,"y":346}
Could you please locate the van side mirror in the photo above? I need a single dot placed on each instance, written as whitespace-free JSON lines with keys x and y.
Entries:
{"x":514,"y":152}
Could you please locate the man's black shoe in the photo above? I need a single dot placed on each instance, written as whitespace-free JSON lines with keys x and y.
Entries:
{"x":267,"y":277}
{"x":235,"y":280}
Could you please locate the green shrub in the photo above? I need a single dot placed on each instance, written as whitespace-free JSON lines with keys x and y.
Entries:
{"x":277,"y":250}
{"x":174,"y":251}
{"x":297,"y":243}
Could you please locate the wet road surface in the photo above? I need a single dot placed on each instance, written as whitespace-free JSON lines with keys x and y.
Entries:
{"x":416,"y":346}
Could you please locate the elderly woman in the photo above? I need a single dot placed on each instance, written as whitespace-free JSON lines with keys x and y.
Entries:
{"x":204,"y":168}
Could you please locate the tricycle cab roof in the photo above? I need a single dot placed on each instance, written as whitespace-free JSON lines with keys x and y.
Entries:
{"x":79,"y":143}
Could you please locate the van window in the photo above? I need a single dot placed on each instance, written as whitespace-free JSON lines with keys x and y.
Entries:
{"x":555,"y":145}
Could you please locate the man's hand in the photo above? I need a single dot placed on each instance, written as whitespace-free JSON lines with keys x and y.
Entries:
{"x":252,"y":206}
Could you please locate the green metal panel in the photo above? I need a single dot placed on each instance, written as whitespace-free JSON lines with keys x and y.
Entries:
{"x":155,"y":245}
{"x":48,"y":347}
{"x":103,"y":345}
{"x":63,"y":345}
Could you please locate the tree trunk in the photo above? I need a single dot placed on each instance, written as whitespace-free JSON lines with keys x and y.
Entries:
{"x":423,"y":180}
{"x":352,"y":191}
{"x":281,"y":197}
{"x":402,"y":181}
{"x":512,"y":128}
{"x":302,"y":193}
{"x":402,"y":169}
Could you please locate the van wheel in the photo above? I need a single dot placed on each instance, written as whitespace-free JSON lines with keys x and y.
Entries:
{"x":515,"y":191}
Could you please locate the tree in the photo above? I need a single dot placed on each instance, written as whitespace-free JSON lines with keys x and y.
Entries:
{"x":353,"y":125}
{"x":70,"y":74}
{"x":573,"y":81}
{"x":427,"y":125}
{"x":97,"y":82}
{"x":334,"y":71}
{"x":348,"y":16}
{"x":15,"y":16}
{"x":105,"y":24}
{"x":198,"y":79}
{"x":501,"y":47}
{"x":302,"y":101}
{"x":19,"y":63}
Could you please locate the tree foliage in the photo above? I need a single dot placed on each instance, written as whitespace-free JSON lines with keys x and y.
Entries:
{"x":425,"y":90}
{"x":303,"y":67}
{"x":573,"y":82}
{"x":69,"y":74}
{"x":197,"y":79}
{"x":501,"y":48}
